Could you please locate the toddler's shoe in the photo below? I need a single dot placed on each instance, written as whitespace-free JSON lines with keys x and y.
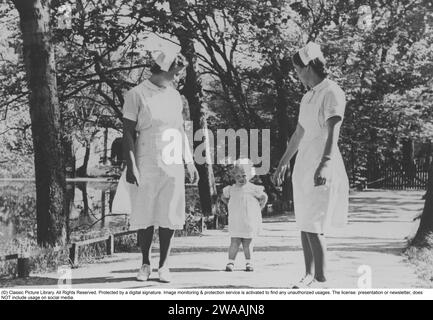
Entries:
{"x":144,"y":273}
{"x":305,"y":282}
{"x":249,"y":267}
{"x":229,"y":267}
{"x":164,"y":274}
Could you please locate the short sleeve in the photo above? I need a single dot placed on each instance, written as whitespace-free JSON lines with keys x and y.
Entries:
{"x":334,"y":103}
{"x":131,"y":106}
{"x":226,"y":192}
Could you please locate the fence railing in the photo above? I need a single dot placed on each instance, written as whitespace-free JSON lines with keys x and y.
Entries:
{"x":395,"y":177}
{"x":23,"y":260}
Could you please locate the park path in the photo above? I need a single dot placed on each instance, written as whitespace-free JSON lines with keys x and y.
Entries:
{"x":375,"y":237}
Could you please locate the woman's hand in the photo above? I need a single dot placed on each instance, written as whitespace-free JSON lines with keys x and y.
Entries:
{"x":262,"y":201}
{"x":192,"y":173}
{"x":322,"y":174}
{"x":133,"y":175}
{"x":281,"y":173}
{"x":225,"y":200}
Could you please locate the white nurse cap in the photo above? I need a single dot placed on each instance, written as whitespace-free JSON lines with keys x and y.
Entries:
{"x":164,"y":58}
{"x":310,"y":52}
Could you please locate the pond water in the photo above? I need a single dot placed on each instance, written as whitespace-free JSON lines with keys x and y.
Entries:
{"x":89,"y":211}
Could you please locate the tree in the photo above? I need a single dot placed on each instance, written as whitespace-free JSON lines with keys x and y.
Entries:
{"x":16,"y":146}
{"x":192,"y":91}
{"x":423,"y":236}
{"x":172,"y":20}
{"x":275,"y":36}
{"x":44,"y":112}
{"x":383,"y":71}
{"x":240,"y":73}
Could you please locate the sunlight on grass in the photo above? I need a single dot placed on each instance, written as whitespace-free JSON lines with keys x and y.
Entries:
{"x":422,"y":260}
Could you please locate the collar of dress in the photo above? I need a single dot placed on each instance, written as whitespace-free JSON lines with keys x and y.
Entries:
{"x":153,"y":86}
{"x":319,"y":86}
{"x":246,"y":185}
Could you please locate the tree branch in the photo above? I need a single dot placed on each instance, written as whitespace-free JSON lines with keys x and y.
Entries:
{"x":13,"y":100}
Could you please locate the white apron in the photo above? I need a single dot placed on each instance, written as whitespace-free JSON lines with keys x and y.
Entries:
{"x":159,"y":200}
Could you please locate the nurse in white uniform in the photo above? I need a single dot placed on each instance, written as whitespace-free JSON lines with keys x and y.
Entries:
{"x":320,"y":183}
{"x":154,"y":179}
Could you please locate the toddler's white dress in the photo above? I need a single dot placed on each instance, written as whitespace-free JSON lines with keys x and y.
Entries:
{"x":245,"y":215}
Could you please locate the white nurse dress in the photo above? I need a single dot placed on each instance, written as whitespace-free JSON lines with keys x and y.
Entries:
{"x":159,"y":200}
{"x":318,"y":207}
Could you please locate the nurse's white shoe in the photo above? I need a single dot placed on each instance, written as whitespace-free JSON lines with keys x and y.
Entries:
{"x":144,"y":273}
{"x":318,"y":285}
{"x":164,"y":274}
{"x":304,"y":283}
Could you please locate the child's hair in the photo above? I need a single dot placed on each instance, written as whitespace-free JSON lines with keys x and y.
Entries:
{"x":246,"y":165}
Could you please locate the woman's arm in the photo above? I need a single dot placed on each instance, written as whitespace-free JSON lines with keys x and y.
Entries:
{"x":128,"y":145}
{"x":332,"y":139}
{"x":292,"y":148}
{"x":224,"y":199}
{"x":187,"y":151}
{"x":292,"y":145}
{"x":263,"y":199}
{"x":322,"y":173}
{"x":189,"y":159}
{"x":187,"y":154}
{"x":225,"y":196}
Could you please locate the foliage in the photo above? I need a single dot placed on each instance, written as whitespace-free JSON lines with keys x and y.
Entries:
{"x":422,"y":260}
{"x":244,"y":49}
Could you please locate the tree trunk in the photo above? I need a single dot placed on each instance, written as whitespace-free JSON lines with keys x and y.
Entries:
{"x":372,"y":173}
{"x":103,"y":207}
{"x":44,"y":112}
{"x":69,"y":156}
{"x":70,"y":197}
{"x":428,"y":163}
{"x":116,"y":155}
{"x":82,"y":171}
{"x":193,"y":93}
{"x":69,"y":160}
{"x":285,"y":127}
{"x":425,"y":229}
{"x":105,"y":157}
{"x":409,"y":166}
{"x":83,"y":188}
